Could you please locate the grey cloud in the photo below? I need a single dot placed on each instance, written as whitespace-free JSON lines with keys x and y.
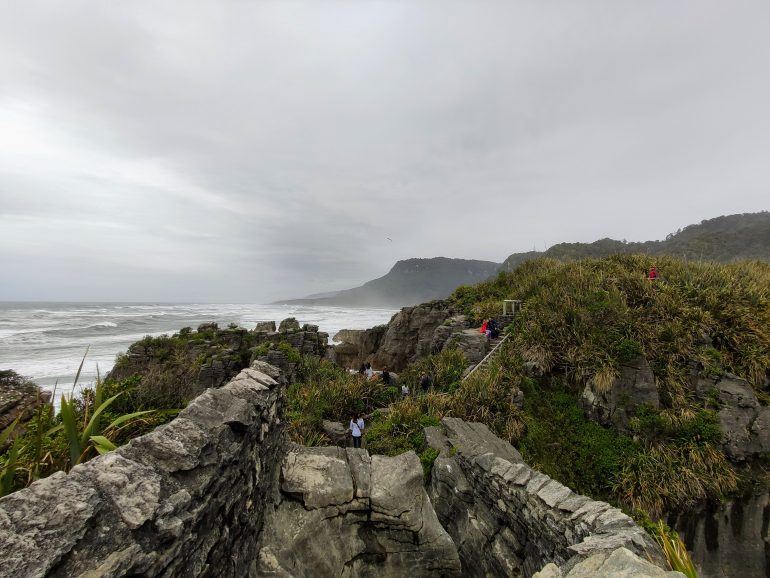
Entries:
{"x":252,"y":150}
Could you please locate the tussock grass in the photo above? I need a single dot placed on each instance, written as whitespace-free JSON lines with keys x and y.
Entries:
{"x":672,"y":476}
{"x":591,"y":316}
{"x":674,"y":549}
{"x":326,"y":391}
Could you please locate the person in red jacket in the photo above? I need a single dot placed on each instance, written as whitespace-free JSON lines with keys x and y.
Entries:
{"x":484,"y":327}
{"x":654,"y":274}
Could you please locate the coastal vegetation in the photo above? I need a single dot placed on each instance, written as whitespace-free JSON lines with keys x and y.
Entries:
{"x":148,"y":386}
{"x":100,"y":418}
{"x":581,"y":322}
{"x":173,"y":368}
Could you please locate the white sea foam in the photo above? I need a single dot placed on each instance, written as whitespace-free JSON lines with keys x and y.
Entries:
{"x":46,"y":341}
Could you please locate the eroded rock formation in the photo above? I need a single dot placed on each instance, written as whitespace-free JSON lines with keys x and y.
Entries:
{"x":407,"y":336}
{"x":220,"y":492}
{"x":184,"y":500}
{"x":19,"y":398}
{"x":357,"y":346}
{"x":183,"y":366}
{"x":490,"y":501}
{"x":342,"y":512}
{"x":412,"y":333}
{"x":745,"y":423}
{"x":635,"y":386}
{"x":731,"y":538}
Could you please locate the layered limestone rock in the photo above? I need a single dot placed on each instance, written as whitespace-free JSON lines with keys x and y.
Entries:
{"x":342,"y":512}
{"x":185,"y":365}
{"x":184,"y":500}
{"x":616,"y":564}
{"x":635,"y":386}
{"x":290,"y":324}
{"x":408,"y":336}
{"x":729,"y":538}
{"x":265,"y":326}
{"x":357,"y":346}
{"x":412,"y":333}
{"x":745,"y":423}
{"x":307,"y":341}
{"x":490,"y":501}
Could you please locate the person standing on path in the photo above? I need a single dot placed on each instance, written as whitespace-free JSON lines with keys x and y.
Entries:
{"x":357,"y":430}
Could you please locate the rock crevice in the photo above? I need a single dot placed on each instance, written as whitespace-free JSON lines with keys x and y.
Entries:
{"x":341,"y":512}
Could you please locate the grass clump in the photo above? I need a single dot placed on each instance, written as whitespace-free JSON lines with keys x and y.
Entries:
{"x":401,"y":428}
{"x":670,"y":476}
{"x":445,"y":368}
{"x":326,"y":391}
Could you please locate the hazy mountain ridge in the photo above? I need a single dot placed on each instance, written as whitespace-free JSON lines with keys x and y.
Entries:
{"x":412,"y":281}
{"x":409,"y":282}
{"x":722,"y":239}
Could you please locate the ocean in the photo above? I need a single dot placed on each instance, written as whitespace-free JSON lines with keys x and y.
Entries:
{"x":46,"y":341}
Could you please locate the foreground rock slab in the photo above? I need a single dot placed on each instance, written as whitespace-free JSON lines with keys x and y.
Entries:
{"x":184,"y":500}
{"x":342,"y":512}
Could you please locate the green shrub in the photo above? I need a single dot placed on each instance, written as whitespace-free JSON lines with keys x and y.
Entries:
{"x":427,"y":457}
{"x":627,"y":349}
{"x":561,"y":442}
{"x":261,"y":350}
{"x":401,"y":429}
{"x":291,"y":353}
{"x":696,"y":426}
{"x":445,"y":368}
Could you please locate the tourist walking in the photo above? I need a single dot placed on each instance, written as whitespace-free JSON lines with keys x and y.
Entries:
{"x":357,"y":429}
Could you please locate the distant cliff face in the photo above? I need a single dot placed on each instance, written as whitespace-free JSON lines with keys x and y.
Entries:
{"x":723,"y":239}
{"x":410,"y":282}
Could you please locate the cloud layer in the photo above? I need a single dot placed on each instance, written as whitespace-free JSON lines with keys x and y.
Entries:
{"x":244,"y":151}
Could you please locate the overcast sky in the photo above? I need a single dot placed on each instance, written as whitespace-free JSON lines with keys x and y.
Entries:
{"x":245,"y":151}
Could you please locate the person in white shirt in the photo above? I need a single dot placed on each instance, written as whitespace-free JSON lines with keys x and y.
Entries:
{"x":357,"y":430}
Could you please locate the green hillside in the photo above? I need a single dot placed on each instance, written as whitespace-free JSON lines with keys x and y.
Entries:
{"x":582,"y":322}
{"x":723,"y":239}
